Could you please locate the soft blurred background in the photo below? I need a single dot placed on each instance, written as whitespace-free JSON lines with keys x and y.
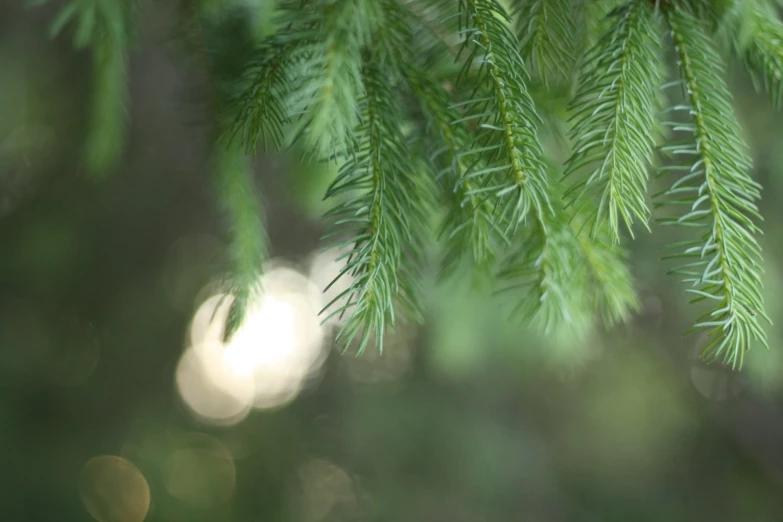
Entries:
{"x":117,"y":404}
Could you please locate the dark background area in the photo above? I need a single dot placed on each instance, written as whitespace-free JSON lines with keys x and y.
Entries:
{"x":470,"y":418}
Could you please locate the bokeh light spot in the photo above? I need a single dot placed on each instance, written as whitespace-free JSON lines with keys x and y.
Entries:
{"x":212,"y":400}
{"x":273,"y":355}
{"x":201,"y":472}
{"x":114,"y":490}
{"x":325,"y":488}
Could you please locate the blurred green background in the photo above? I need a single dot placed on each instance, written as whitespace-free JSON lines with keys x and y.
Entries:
{"x":469,"y":418}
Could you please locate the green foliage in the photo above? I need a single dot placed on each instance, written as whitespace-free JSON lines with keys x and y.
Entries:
{"x":505,"y":155}
{"x":547,"y":268}
{"x":723,"y":265}
{"x":106,"y":128}
{"x":419,"y":101}
{"x":261,"y":106}
{"x":105,"y":27}
{"x":547,"y":30}
{"x":760,"y":44}
{"x":224,"y":43}
{"x":328,"y":78}
{"x":615,"y":117}
{"x":610,"y":283}
{"x":593,"y":20}
{"x":238,"y":201}
{"x":575,"y":277}
{"x":381,"y":216}
{"x":468,"y":228}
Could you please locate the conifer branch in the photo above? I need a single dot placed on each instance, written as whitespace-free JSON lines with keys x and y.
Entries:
{"x":546,"y":30}
{"x":565,"y":277}
{"x":439,"y":27}
{"x":613,"y":296}
{"x":593,"y":22}
{"x":231,"y":168}
{"x":332,"y":75}
{"x":468,"y":223}
{"x":107,"y":128}
{"x":506,"y":157}
{"x":547,"y":275}
{"x":723,"y":265}
{"x":762,"y":48}
{"x":468,"y":226}
{"x":236,"y":193}
{"x":615,"y":118}
{"x":104,"y":26}
{"x":328,"y":80}
{"x":382,"y":208}
{"x":260,"y":111}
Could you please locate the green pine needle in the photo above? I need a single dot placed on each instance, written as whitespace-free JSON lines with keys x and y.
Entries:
{"x":760,"y":44}
{"x":506,"y":156}
{"x":547,"y":277}
{"x":328,"y":79}
{"x":104,"y":26}
{"x":612,"y":291}
{"x":239,"y":201}
{"x":723,"y":265}
{"x":468,"y":227}
{"x":107,"y":125}
{"x":592,"y":22}
{"x":615,"y":118}
{"x":547,"y":30}
{"x":380,"y":216}
{"x":259,"y":110}
{"x":564,"y":277}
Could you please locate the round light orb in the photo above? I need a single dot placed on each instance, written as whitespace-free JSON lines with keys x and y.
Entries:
{"x":212,"y":396}
{"x":273,"y":353}
{"x":114,"y":490}
{"x":200,"y":472}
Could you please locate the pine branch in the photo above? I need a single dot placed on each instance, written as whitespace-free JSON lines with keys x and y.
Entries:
{"x":546,"y":30}
{"x":762,"y":48}
{"x":107,"y":131}
{"x":468,"y":225}
{"x":612,"y":290}
{"x":724,"y":265}
{"x":382,"y":208}
{"x":438,"y":29}
{"x":593,"y":22}
{"x":105,"y":27}
{"x":505,"y":158}
{"x":565,"y":277}
{"x":259,"y":110}
{"x":237,"y":197}
{"x":221,"y":59}
{"x":548,"y":275}
{"x":615,"y":118}
{"x":328,"y":80}
{"x":332,"y":75}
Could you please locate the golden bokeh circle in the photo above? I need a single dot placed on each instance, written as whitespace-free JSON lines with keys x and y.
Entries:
{"x":114,"y":490}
